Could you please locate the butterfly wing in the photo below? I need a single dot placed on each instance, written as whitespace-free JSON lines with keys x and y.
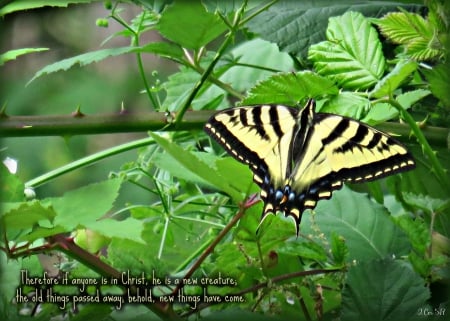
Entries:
{"x":299,"y":157}
{"x":340,"y":149}
{"x":259,"y":136}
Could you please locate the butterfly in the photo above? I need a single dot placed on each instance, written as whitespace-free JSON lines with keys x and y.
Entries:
{"x":299,"y":157}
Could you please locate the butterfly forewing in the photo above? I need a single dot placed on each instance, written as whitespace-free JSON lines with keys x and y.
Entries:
{"x":257,"y":136}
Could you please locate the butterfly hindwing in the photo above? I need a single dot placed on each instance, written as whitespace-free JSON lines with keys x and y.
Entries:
{"x":299,"y":157}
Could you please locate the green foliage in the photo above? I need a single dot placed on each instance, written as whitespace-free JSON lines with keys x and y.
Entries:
{"x":414,"y":32}
{"x":374,"y":254}
{"x":13,"y":54}
{"x":394,"y":290}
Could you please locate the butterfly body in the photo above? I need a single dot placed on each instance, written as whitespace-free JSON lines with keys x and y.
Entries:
{"x":299,"y":156}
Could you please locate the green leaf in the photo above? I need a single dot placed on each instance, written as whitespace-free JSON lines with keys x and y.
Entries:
{"x":84,"y":206}
{"x":129,"y":228}
{"x":338,"y":249}
{"x":307,"y":250}
{"x":289,"y":89}
{"x":11,"y":188}
{"x":416,"y":230}
{"x":348,"y":104}
{"x":221,"y":6}
{"x":83,"y":60}
{"x":382,"y":290}
{"x":412,"y":31}
{"x":365,"y":225}
{"x":25,"y":215}
{"x":180,"y":85}
{"x":9,"y":281}
{"x":386,"y":87}
{"x":190,"y":25}
{"x":13,"y":54}
{"x":127,"y":255}
{"x":439,"y":78}
{"x":34,"y":4}
{"x":259,"y":59}
{"x":426,"y":202}
{"x":191,"y":163}
{"x":163,"y":49}
{"x":295,"y":25}
{"x":352,"y":55}
{"x":382,"y":112}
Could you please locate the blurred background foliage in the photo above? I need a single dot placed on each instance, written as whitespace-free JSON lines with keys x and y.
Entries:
{"x":96,"y":88}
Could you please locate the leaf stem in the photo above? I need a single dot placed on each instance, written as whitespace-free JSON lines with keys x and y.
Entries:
{"x":229,"y":37}
{"x":436,"y":165}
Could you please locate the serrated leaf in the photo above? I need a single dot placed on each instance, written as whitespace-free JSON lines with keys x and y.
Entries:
{"x":425,"y":202}
{"x":189,"y":24}
{"x":127,"y":255}
{"x":192,"y":163}
{"x":416,"y":230}
{"x":382,"y":290}
{"x":25,"y":215}
{"x":83,"y":206}
{"x":352,"y":54}
{"x":11,"y":187}
{"x":412,"y":31}
{"x":129,"y":228}
{"x":439,"y":78}
{"x":13,"y":54}
{"x":295,"y":25}
{"x":394,"y":79}
{"x":365,"y":225}
{"x":338,"y":249}
{"x":34,"y":4}
{"x":82,"y":60}
{"x":307,"y":250}
{"x":289,"y":89}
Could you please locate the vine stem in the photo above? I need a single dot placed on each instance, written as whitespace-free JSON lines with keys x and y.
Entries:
{"x":208,"y":71}
{"x":216,"y":241}
{"x":274,"y":280}
{"x":427,"y":150}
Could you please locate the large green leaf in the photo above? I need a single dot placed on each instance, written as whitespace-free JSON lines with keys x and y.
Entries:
{"x":289,"y":89}
{"x":352,"y":54}
{"x":189,"y":162}
{"x":295,"y":25}
{"x":365,"y":225}
{"x":83,"y":206}
{"x":383,"y":290}
{"x":348,"y":104}
{"x":129,"y":228}
{"x":259,"y":59}
{"x":189,"y":24}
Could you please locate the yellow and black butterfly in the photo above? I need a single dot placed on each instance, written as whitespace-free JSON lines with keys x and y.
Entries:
{"x":299,"y":156}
